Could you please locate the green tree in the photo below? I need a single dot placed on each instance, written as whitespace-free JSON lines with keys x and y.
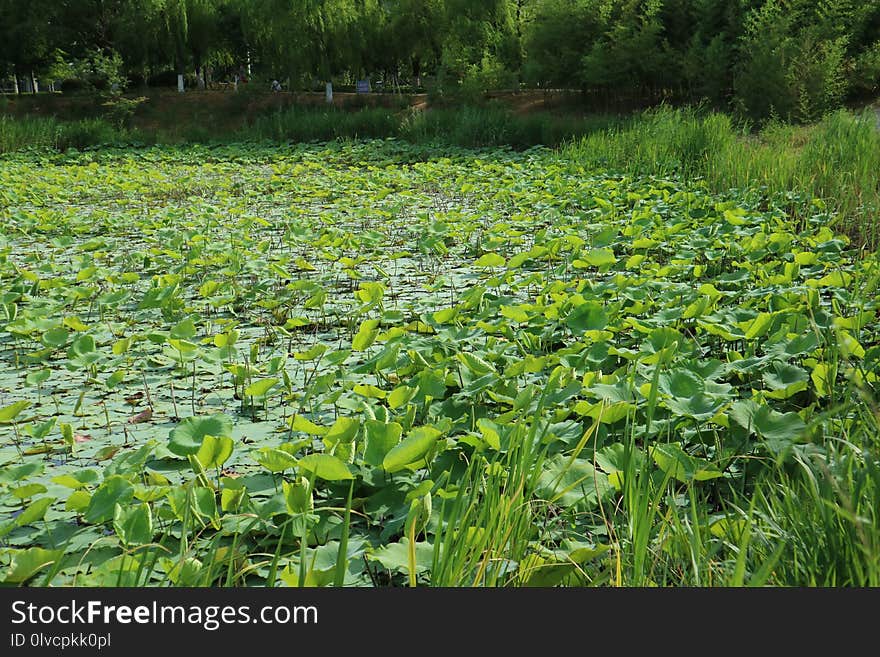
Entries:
{"x":557,"y":40}
{"x":631,"y":54}
{"x":30,"y":33}
{"x":415,"y":32}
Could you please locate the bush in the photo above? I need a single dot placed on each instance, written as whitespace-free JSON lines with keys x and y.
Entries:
{"x":163,"y":79}
{"x":790,"y":72}
{"x":762,"y":86}
{"x":119,"y":110}
{"x":74,"y":86}
{"x":866,"y":71}
{"x":101,"y":71}
{"x":490,"y":74}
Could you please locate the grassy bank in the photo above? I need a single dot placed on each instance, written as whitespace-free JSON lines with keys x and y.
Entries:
{"x":835,"y":160}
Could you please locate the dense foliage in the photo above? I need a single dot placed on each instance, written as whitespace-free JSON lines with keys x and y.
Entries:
{"x":377,"y":363}
{"x":789,"y":58}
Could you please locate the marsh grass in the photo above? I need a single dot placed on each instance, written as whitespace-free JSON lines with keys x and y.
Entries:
{"x":835,"y":161}
{"x":823,"y":511}
{"x":17,"y":134}
{"x":41,"y":133}
{"x":317,"y":124}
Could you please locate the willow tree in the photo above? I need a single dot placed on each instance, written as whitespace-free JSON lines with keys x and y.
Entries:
{"x":307,"y":39}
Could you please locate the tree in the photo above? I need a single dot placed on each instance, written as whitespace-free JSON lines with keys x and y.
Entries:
{"x":557,"y":40}
{"x":30,"y":32}
{"x":416,"y":31}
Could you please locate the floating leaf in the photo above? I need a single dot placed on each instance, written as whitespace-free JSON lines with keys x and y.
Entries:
{"x":186,"y":438}
{"x":274,"y":460}
{"x":115,"y":490}
{"x":214,"y":451}
{"x":24,"y":564}
{"x":413,"y":448}
{"x":380,"y":439}
{"x":133,"y":525}
{"x":680,"y":465}
{"x":9,"y":413}
{"x":260,"y":388}
{"x":326,"y":466}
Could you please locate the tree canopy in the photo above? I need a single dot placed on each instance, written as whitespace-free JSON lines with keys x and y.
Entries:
{"x":787,"y":58}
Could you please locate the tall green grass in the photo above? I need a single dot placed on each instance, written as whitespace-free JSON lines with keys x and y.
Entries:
{"x":318,"y":124}
{"x":40,"y":132}
{"x":836,"y":160}
{"x":823,"y":511}
{"x":496,"y":126}
{"x":471,"y":127}
{"x":17,"y":134}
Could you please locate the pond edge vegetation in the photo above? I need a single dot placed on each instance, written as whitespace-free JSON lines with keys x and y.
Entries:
{"x":834,"y":161}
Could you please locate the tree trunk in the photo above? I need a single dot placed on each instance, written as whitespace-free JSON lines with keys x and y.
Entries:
{"x":328,"y":93}
{"x":15,"y":83}
{"x":200,"y":82}
{"x":180,"y":85}
{"x":417,"y":72}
